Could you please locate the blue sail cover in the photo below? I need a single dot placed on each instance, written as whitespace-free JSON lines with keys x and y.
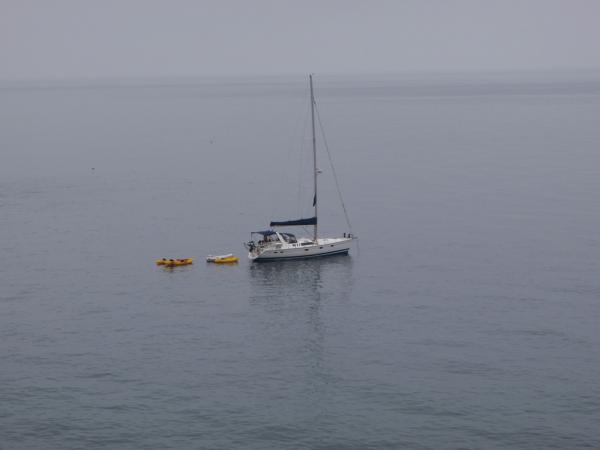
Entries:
{"x":292,"y":223}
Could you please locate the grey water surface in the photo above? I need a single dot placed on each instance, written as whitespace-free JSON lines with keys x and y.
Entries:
{"x":467,"y":317}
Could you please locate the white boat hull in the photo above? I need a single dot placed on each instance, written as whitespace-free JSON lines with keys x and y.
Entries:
{"x":324,"y":247}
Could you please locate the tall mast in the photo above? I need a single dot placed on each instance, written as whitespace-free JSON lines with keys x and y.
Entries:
{"x":314,"y":146}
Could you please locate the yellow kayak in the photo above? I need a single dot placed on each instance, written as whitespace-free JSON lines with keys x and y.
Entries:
{"x":228,"y":260}
{"x":222,"y":259}
{"x":174,"y":262}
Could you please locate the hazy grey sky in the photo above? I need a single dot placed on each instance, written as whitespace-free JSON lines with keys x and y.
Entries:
{"x":151,"y":38}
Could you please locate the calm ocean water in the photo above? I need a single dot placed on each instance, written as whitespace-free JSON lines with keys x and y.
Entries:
{"x":467,"y":318}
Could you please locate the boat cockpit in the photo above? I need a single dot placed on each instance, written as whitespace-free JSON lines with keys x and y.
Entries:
{"x":269,"y":238}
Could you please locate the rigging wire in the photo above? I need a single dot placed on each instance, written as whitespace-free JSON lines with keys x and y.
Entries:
{"x":335,"y":178}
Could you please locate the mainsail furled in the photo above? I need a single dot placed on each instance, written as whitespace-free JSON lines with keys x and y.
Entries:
{"x":292,"y":223}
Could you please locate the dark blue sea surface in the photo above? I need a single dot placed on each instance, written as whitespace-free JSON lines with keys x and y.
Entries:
{"x":465,"y":318}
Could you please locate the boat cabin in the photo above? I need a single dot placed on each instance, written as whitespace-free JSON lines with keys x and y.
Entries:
{"x":269,"y":237}
{"x":274,"y":241}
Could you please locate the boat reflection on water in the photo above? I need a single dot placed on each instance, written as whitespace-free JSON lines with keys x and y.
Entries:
{"x":299,"y":308}
{"x":301,"y":278}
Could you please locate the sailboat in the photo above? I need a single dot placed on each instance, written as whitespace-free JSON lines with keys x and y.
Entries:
{"x":273,"y":245}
